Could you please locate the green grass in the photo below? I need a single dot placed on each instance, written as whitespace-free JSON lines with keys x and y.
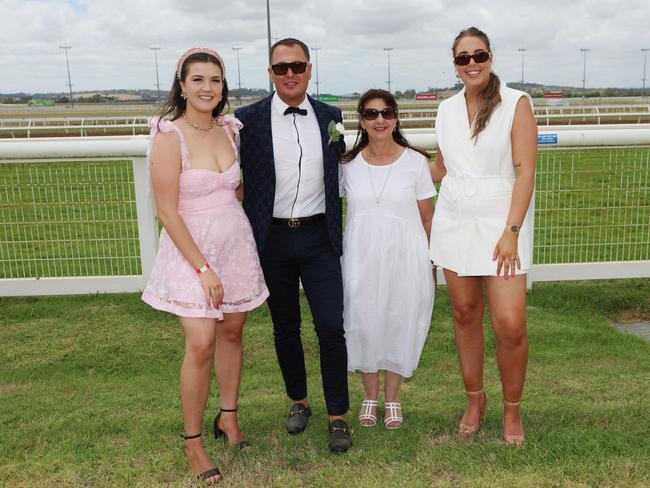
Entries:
{"x":88,"y":397}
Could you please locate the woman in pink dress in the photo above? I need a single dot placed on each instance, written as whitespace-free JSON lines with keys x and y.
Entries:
{"x":207,"y":271}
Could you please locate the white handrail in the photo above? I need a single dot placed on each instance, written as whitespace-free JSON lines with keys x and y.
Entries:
{"x":134,"y":146}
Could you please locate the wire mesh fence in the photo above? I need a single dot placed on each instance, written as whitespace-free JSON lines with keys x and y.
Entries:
{"x":67,"y":219}
{"x":73,"y":219}
{"x":592,"y":205}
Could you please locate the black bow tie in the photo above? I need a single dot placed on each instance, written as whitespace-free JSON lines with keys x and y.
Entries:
{"x":295,"y":110}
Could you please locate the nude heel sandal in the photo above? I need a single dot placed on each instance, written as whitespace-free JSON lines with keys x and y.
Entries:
{"x":465,"y":430}
{"x":516,"y":440}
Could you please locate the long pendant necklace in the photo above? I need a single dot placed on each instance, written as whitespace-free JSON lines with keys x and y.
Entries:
{"x":372,"y":185}
{"x":198,"y":127}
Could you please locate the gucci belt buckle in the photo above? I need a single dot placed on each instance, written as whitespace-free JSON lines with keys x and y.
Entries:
{"x":293,"y":223}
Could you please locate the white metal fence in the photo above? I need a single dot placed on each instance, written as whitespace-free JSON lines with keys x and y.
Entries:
{"x":425,"y":116}
{"x":75,"y":216}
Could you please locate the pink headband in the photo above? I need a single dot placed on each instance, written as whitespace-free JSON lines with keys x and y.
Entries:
{"x":197,"y":50}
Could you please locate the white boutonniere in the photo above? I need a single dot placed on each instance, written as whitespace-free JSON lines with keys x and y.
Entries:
{"x":335,"y":131}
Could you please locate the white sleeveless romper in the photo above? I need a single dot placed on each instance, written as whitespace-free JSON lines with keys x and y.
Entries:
{"x":474,"y":200}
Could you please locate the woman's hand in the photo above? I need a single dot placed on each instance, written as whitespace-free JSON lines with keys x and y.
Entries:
{"x":506,"y":255}
{"x":212,"y":288}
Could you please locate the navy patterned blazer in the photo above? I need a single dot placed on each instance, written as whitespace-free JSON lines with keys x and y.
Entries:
{"x":258,"y":166}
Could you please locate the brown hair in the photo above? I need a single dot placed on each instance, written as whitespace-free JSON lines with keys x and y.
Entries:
{"x":176,"y":105}
{"x":289,"y":41}
{"x":490,"y":98}
{"x":362,"y":136}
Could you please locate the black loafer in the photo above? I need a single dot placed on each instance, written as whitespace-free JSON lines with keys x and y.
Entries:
{"x":298,"y":416}
{"x":340,"y":436}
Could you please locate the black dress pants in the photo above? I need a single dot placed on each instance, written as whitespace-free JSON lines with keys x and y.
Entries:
{"x":304,"y":254}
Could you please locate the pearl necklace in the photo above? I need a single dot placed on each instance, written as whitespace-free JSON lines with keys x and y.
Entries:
{"x":198,"y":127}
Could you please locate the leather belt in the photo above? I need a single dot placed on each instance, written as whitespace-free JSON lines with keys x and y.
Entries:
{"x":299,"y":221}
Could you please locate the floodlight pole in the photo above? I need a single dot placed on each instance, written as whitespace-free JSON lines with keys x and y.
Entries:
{"x":645,"y":58}
{"x":237,"y":49}
{"x":268,"y":31}
{"x":155,"y":50}
{"x":67,"y":63}
{"x":316,"y":49}
{"x":388,"y":50}
{"x":584,"y":69}
{"x":522,"y":50}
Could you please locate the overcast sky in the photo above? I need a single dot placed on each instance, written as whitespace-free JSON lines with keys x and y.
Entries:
{"x":110,"y":40}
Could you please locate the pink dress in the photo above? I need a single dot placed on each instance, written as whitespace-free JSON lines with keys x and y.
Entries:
{"x":218,"y":224}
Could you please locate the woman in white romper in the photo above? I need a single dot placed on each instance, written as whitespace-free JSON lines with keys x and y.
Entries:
{"x":482,"y":232}
{"x":387,"y":279}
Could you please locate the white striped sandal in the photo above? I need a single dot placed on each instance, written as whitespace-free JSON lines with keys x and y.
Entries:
{"x":366,"y":417}
{"x":392,"y":420}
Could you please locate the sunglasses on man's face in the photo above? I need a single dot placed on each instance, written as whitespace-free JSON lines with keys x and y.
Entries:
{"x":387,"y":113}
{"x":297,"y":67}
{"x":478,"y":57}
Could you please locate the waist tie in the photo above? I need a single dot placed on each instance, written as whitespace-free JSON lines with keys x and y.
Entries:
{"x":469,"y":184}
{"x":207,"y":203}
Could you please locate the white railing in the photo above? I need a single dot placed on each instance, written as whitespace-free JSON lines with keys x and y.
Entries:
{"x":75,"y":216}
{"x":425,"y":116}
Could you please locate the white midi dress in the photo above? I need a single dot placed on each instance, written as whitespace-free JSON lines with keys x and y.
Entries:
{"x":387,"y":279}
{"x":474,"y":201}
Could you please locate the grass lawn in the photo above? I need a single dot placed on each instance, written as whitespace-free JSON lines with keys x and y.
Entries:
{"x":88,"y":397}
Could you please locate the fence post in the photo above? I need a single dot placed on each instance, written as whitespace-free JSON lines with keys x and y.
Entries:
{"x":147,"y":221}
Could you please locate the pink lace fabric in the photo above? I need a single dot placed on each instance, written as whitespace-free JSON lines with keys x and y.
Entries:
{"x":220,"y":228}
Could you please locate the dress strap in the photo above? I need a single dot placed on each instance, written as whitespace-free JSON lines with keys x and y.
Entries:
{"x":157,"y":125}
{"x":235,"y":126}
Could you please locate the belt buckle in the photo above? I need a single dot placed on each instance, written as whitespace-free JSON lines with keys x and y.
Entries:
{"x":293,"y":223}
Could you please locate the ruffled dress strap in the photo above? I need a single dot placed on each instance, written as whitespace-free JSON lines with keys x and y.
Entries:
{"x":235,"y":126}
{"x":157,"y":125}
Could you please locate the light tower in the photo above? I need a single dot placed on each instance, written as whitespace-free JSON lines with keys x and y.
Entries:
{"x":388,"y":50}
{"x":237,"y":49}
{"x":316,"y":49}
{"x":584,"y":52}
{"x":522,"y":50}
{"x":155,"y":50}
{"x":67,"y":63}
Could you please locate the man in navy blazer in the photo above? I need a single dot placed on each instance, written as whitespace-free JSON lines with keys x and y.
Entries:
{"x":291,"y":197}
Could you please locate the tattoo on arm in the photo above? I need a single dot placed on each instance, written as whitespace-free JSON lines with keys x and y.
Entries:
{"x":516,"y":165}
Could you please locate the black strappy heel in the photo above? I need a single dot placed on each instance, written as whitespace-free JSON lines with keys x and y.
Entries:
{"x":206,"y":475}
{"x":218,"y":433}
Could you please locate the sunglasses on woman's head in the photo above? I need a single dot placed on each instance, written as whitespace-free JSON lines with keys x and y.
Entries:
{"x":478,"y":57}
{"x":387,"y":113}
{"x":297,"y":67}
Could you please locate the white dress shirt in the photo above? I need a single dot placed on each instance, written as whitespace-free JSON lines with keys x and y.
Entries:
{"x":298,"y":155}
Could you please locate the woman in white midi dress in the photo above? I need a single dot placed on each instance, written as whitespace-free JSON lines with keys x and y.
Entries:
{"x":482,"y":227}
{"x":387,"y":279}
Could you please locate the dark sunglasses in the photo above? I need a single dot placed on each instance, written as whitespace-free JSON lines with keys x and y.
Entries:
{"x":387,"y":113}
{"x":478,"y":57}
{"x":297,"y":67}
